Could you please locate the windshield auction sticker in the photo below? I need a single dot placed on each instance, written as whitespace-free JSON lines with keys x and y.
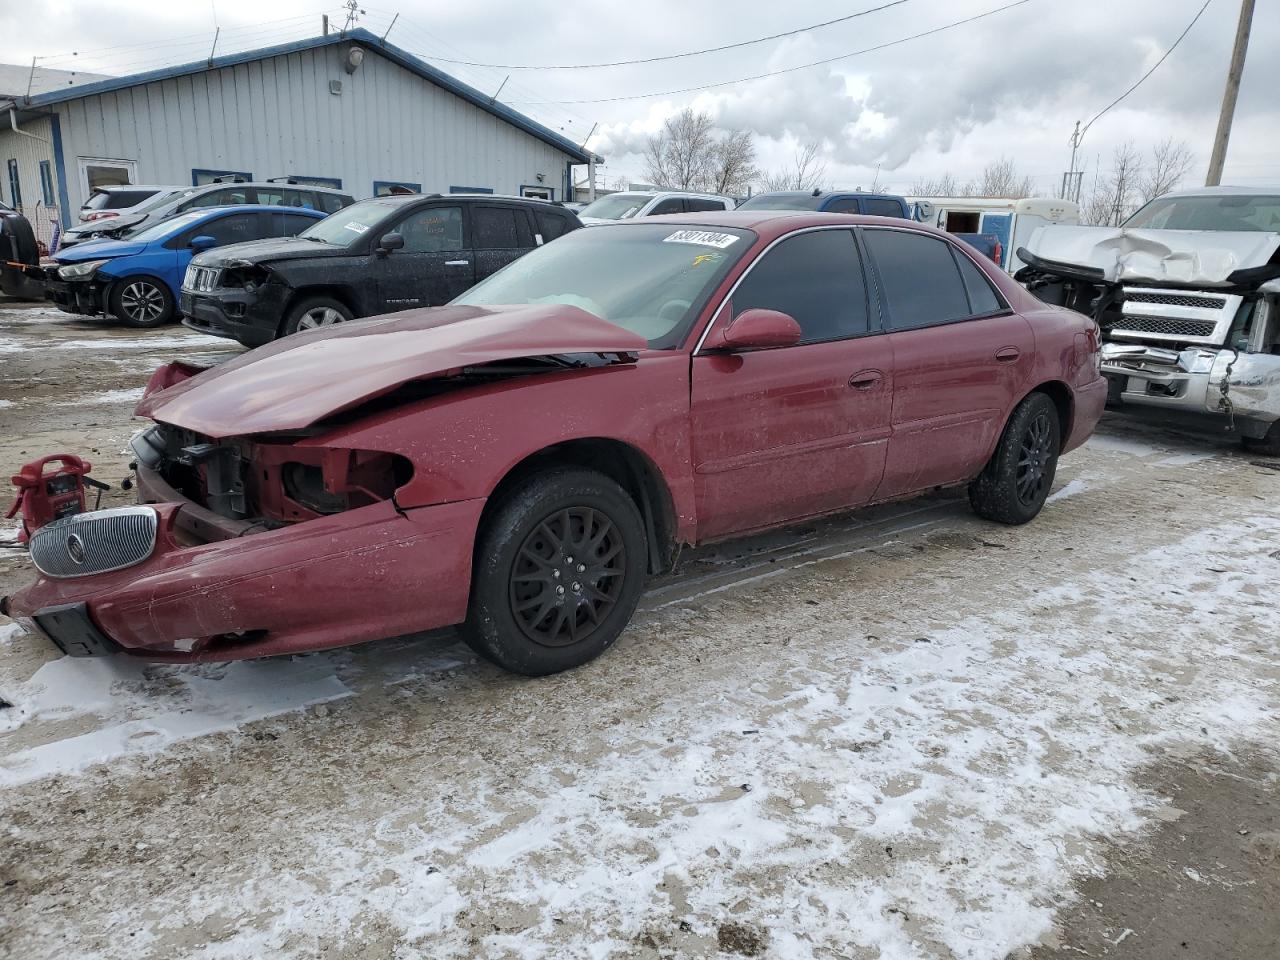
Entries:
{"x":703,"y":238}
{"x":356,"y":227}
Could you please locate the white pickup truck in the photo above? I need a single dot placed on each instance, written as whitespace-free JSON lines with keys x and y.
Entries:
{"x":1187,"y":295}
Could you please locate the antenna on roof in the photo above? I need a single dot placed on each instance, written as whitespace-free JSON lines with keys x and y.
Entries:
{"x":354,"y":13}
{"x":393,"y":23}
{"x":31,"y":78}
{"x":215,"y":45}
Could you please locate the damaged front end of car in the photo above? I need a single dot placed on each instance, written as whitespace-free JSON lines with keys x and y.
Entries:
{"x":1190,"y":326}
{"x":258,"y":530}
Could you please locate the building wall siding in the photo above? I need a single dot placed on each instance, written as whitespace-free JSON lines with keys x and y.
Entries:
{"x":276,"y":117}
{"x":29,"y":153}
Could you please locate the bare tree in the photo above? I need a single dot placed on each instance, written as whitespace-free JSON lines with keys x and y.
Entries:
{"x":1170,"y":163}
{"x":680,"y":154}
{"x":807,"y":171}
{"x":1000,"y":178}
{"x":943,"y":186}
{"x":733,"y":165}
{"x":1117,"y":194}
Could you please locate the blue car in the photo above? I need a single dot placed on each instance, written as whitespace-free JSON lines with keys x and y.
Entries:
{"x":137,"y":279}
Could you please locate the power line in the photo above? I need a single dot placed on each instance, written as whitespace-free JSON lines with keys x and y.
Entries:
{"x":676,"y":56}
{"x":1202,"y":9}
{"x":775,"y":73}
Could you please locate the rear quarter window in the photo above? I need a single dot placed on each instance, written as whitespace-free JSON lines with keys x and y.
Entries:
{"x":883,"y":208}
{"x":552,"y":225}
{"x":983,"y":298}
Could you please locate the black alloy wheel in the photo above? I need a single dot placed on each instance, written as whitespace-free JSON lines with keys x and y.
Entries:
{"x":568,"y":575}
{"x":1016,"y":481}
{"x":141,"y":302}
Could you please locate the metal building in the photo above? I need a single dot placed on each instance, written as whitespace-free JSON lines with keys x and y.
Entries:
{"x":344,"y":110}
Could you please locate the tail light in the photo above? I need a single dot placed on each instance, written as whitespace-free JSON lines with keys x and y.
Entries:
{"x":998,"y":253}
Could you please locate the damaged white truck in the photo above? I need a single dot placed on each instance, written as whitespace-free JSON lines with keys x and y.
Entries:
{"x":1187,"y":295}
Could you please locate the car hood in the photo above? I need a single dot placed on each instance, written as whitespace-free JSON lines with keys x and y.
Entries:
{"x":268,"y":251}
{"x":1192,"y":257}
{"x":100,"y":250}
{"x":301,"y":379}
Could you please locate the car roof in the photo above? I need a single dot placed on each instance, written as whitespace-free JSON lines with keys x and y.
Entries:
{"x":231,"y":208}
{"x":664,"y":193}
{"x":1227,"y":191}
{"x":113,"y":187}
{"x":773,"y":223}
{"x":277,"y":184}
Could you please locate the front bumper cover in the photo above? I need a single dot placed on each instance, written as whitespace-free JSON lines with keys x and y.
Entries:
{"x":368,"y":573}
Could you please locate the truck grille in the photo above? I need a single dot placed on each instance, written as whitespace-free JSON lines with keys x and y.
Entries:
{"x":98,"y":542}
{"x":1175,"y":299}
{"x":200,"y":279}
{"x":1169,"y":326}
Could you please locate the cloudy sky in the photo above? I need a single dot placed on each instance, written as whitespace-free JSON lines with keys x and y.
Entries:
{"x":1010,"y":84}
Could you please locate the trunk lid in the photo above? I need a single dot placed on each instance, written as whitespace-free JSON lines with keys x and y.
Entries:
{"x":296,"y":381}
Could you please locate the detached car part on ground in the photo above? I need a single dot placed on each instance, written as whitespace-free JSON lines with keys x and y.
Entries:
{"x":136,"y":280}
{"x":19,"y":252}
{"x":375,"y":257}
{"x":1187,"y":295}
{"x":515,"y":463}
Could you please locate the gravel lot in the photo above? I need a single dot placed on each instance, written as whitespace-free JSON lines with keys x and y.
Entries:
{"x":902,"y":734}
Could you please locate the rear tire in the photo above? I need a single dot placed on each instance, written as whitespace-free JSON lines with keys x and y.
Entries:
{"x":141,"y":302}
{"x":1015,"y":483}
{"x":559,"y":568}
{"x":1268,"y":446}
{"x":314,"y":312}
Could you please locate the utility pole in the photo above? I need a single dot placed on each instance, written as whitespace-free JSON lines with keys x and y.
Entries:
{"x":1219,"y":156}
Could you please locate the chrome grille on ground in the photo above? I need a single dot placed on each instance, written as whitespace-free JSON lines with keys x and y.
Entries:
{"x":200,"y":279}
{"x":1167,"y":325}
{"x":1176,"y":300}
{"x":97,"y":542}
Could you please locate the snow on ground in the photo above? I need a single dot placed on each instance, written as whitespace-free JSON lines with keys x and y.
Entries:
{"x":194,"y":702}
{"x":130,"y":395}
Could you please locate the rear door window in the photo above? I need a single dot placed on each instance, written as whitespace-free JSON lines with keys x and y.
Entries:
{"x":702,"y":205}
{"x":842,"y":205}
{"x":919,"y":279}
{"x":817,"y":279}
{"x":494,"y":228}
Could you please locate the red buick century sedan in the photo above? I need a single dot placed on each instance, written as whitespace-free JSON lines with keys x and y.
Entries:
{"x":516,"y":463}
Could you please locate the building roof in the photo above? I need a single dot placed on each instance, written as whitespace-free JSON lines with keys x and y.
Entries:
{"x":14,"y":78}
{"x":367,"y":40}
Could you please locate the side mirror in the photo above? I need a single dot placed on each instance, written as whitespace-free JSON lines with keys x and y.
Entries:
{"x":759,"y":329}
{"x":202,"y":242}
{"x":390,"y":241}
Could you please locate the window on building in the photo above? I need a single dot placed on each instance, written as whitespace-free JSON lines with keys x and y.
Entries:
{"x":394,"y":188}
{"x":495,"y":228}
{"x":919,"y":277}
{"x":46,"y":183}
{"x":538,"y":193}
{"x":15,"y":187}
{"x":433,"y":230}
{"x":816,"y":278}
{"x":200,"y":178}
{"x":471,"y":189}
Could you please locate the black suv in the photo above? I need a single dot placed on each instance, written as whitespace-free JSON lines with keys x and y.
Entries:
{"x":377,"y":256}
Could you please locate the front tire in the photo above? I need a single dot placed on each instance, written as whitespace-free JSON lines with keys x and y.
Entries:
{"x":1268,"y":446}
{"x":314,"y":312}
{"x":559,"y":568}
{"x":1016,"y":481}
{"x":141,"y":302}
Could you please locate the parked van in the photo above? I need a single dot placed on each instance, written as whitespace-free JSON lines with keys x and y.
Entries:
{"x":1010,"y":221}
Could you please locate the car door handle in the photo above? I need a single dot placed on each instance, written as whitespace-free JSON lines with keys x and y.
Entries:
{"x":865,"y":379}
{"x":1008,"y":354}
{"x":457,"y":263}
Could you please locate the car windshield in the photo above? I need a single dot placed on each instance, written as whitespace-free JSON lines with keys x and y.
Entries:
{"x":351,"y":223}
{"x":650,"y":279}
{"x":782,"y":201}
{"x":617,"y":206}
{"x":158,"y":231}
{"x":1211,"y":212}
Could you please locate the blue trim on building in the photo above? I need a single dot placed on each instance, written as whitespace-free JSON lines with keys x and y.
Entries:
{"x":371,"y":42}
{"x":471,"y":189}
{"x":60,"y":164}
{"x":379,"y":184}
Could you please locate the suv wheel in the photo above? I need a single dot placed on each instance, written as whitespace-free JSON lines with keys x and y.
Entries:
{"x":141,"y":302}
{"x":1268,"y":446}
{"x":559,"y":567}
{"x":1016,"y":480}
{"x":316,"y":312}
